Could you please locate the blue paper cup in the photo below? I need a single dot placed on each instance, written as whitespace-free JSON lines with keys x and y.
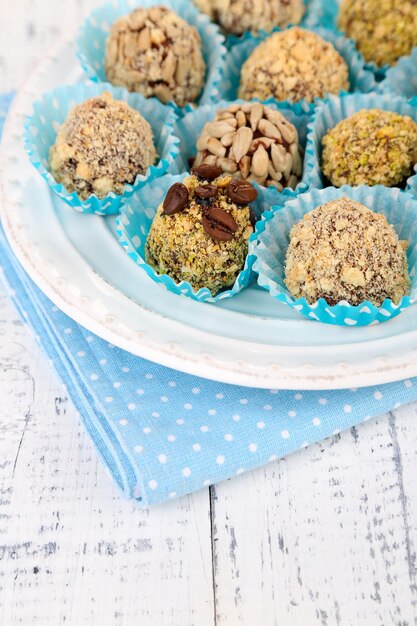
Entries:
{"x":334,"y":110}
{"x":134,"y":224}
{"x":189,"y":128}
{"x":91,"y":42}
{"x":272,"y":237}
{"x":401,"y":79}
{"x":360,"y":78}
{"x":51,"y":110}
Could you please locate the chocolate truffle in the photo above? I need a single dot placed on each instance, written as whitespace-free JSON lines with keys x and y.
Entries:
{"x":238,"y":16}
{"x":383,"y":30}
{"x":254,"y":142}
{"x":293,"y":65}
{"x":156,"y":52}
{"x":200,"y":233}
{"x":102,"y":145}
{"x":371,"y":147}
{"x":342,"y":251}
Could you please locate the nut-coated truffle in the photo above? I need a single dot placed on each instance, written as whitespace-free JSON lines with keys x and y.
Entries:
{"x":383,"y":30}
{"x":156,"y":52}
{"x":371,"y":147}
{"x":102,"y":145}
{"x":252,"y":141}
{"x":292,"y":65}
{"x":199,"y":234}
{"x":343,"y":251}
{"x":239,"y":16}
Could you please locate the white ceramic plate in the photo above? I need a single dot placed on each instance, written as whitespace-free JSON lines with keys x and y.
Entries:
{"x":248,"y":340}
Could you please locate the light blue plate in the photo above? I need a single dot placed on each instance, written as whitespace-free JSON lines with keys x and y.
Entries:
{"x":250,"y":339}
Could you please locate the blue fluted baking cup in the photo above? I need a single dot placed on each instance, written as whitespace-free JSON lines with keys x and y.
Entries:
{"x":335,"y":109}
{"x":360,"y":78}
{"x":134,"y":223}
{"x":189,"y":127}
{"x":401,"y":79}
{"x":272,"y":236}
{"x":323,"y":13}
{"x":91,"y":41}
{"x":51,"y":110}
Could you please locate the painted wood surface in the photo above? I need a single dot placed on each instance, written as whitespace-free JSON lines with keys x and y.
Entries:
{"x":325,"y":537}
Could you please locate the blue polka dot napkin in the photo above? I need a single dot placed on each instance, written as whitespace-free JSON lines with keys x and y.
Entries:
{"x":163,"y":434}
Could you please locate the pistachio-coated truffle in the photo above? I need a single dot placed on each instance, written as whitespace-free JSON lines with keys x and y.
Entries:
{"x":383,"y":30}
{"x":199,"y":234}
{"x":343,"y":251}
{"x":371,"y":147}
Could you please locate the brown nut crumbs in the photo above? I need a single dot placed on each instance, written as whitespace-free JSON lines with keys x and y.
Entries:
{"x":293,"y":65}
{"x":179,"y":245}
{"x":156,"y":52}
{"x":371,"y":147}
{"x":383,"y":30}
{"x":102,"y":145}
{"x":344,"y":251}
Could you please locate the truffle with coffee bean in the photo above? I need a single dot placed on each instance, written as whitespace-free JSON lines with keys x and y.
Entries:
{"x":254,"y":142}
{"x":200,"y":232}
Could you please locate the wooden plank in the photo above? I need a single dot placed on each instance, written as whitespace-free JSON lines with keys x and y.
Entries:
{"x":321,"y":538}
{"x":72,"y":550}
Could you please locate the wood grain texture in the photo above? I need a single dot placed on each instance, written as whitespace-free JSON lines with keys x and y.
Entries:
{"x":332,"y":530}
{"x":326,"y":537}
{"x":71,"y":549}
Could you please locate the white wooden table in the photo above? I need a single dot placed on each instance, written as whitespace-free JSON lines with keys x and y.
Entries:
{"x":327,"y":536}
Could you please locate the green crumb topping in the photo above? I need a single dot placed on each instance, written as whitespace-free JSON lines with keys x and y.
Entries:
{"x":371,"y":147}
{"x":384,"y":30}
{"x":178,"y":244}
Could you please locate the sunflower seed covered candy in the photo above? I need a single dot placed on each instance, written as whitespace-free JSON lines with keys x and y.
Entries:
{"x":156,"y":52}
{"x":239,"y":16}
{"x":254,"y":142}
{"x":200,"y":232}
{"x":293,"y":65}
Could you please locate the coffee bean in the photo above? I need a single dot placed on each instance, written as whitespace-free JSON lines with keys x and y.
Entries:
{"x":205,"y":171}
{"x":205,"y":194}
{"x":241,"y":191}
{"x":176,"y":199}
{"x":219,"y":224}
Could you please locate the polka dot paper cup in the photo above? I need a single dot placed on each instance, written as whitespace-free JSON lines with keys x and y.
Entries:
{"x":189,"y":127}
{"x":337,"y":108}
{"x":51,"y":110}
{"x":272,"y":238}
{"x":360,"y":78}
{"x":134,"y":225}
{"x":91,"y":42}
